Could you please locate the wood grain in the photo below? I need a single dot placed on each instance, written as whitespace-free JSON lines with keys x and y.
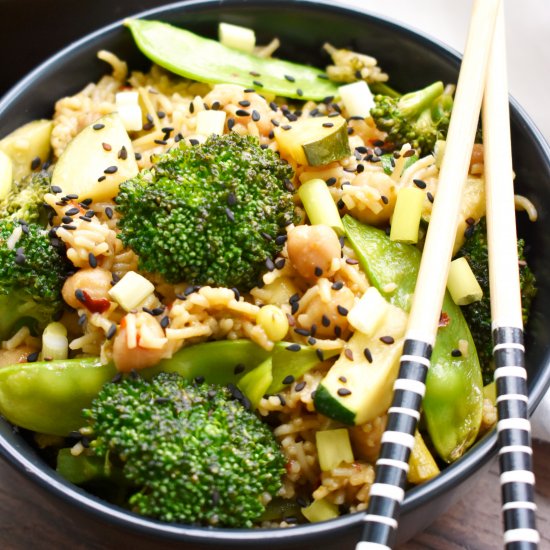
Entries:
{"x":30,"y":519}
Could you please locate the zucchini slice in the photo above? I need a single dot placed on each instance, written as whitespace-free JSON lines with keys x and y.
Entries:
{"x":315,"y":141}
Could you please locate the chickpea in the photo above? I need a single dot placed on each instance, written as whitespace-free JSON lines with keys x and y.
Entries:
{"x":95,"y":282}
{"x":329,"y":317}
{"x":311,"y":249}
{"x":128,"y":354}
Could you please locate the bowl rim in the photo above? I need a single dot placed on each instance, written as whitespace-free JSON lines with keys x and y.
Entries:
{"x":483,"y":451}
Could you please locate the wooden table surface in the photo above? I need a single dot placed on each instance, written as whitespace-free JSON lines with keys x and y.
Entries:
{"x":28,"y":520}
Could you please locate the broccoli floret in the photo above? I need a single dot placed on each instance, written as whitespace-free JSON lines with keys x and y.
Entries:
{"x":210,"y":213}
{"x":193,"y":452}
{"x":478,"y":314}
{"x":25,"y":201}
{"x":419,"y":118}
{"x":33,"y":268}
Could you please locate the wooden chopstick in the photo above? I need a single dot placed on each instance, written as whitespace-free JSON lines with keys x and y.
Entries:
{"x":513,"y":427}
{"x":387,"y":492}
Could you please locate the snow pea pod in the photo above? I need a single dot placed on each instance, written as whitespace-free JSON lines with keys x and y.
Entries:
{"x":48,"y":397}
{"x":454,"y":389}
{"x":187,"y":54}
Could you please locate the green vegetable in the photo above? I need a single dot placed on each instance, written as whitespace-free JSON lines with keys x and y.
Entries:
{"x":48,"y":397}
{"x":205,"y":60}
{"x":319,"y":205}
{"x":453,"y":401}
{"x":81,"y":468}
{"x":33,"y":268}
{"x":25,"y":198}
{"x":254,"y":384}
{"x":315,"y":141}
{"x":193,"y":453}
{"x":369,"y":375}
{"x":81,"y":167}
{"x":478,"y":314}
{"x":333,"y":448}
{"x":320,"y":510}
{"x":208,"y":214}
{"x":419,"y":118}
{"x":27,"y":143}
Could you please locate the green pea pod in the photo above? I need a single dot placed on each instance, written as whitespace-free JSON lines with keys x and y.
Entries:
{"x":187,"y":54}
{"x":48,"y":397}
{"x":454,"y":398}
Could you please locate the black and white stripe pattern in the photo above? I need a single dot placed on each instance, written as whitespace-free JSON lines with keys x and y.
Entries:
{"x":514,"y":440}
{"x":392,"y":466}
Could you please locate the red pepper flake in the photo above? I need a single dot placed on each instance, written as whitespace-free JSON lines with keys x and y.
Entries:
{"x":99,"y":305}
{"x":444,"y":319}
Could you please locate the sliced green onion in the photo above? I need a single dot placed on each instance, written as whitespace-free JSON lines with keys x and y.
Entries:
{"x":131,"y":290}
{"x":320,"y":510}
{"x":55,"y":344}
{"x":254,"y":384}
{"x":239,"y":38}
{"x":333,"y":448}
{"x":407,"y":214}
{"x":462,"y":283}
{"x":319,"y":205}
{"x":369,"y":312}
{"x":210,"y":122}
{"x":357,"y":98}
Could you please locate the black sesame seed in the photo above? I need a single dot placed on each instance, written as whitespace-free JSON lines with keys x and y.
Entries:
{"x":368,"y":355}
{"x":469,"y":231}
{"x":342,"y":310}
{"x":35,"y":163}
{"x":89,"y":213}
{"x":82,"y":319}
{"x":302,"y":331}
{"x":148,"y":126}
{"x":282,"y":400}
{"x":294,"y":307}
{"x":255,"y":116}
{"x":280,"y":263}
{"x":84,"y":219}
{"x":325,"y":321}
{"x":111,"y":332}
{"x":269,"y":264}
{"x":229,"y":213}
{"x":286,"y":127}
{"x":32,"y":357}
{"x":56,"y":189}
{"x":311,"y":341}
{"x":230,"y":123}
{"x":72,"y":211}
{"x":280,"y":239}
{"x":290,"y":78}
{"x":161,"y":114}
{"x":318,"y":271}
{"x":165,"y":321}
{"x":137,"y":156}
{"x":66,"y":219}
{"x":430,"y":196}
{"x":294,"y":298}
{"x":68,"y":227}
{"x":342,"y":379}
{"x":178,"y":137}
{"x":320,"y":355}
{"x":249,"y":91}
{"x":299,"y":386}
{"x":257,"y":83}
{"x":20,"y":258}
{"x":328,"y":124}
{"x":338,"y":331}
{"x":98,"y":126}
{"x":456,"y":353}
{"x":288,"y":379}
{"x":343,"y":392}
{"x":351,"y":261}
{"x":71,"y":196}
{"x":79,"y":295}
{"x":92,"y":260}
{"x":385,"y":199}
{"x":111,"y":169}
{"x":340,"y":204}
{"x":349,"y":354}
{"x":109,"y":212}
{"x":299,"y":92}
{"x":161,"y":142}
{"x":360,"y":168}
{"x":289,"y":186}
{"x":338,"y":285}
{"x":420,"y":184}
{"x":191,"y":107}
{"x":242,"y":112}
{"x":387,"y":339}
{"x":294,"y":347}
{"x":331,"y":181}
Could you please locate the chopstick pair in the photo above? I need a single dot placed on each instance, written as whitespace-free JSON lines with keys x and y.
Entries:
{"x":483,"y":70}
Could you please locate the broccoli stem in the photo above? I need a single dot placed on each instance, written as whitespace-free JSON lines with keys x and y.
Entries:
{"x":413,"y":103}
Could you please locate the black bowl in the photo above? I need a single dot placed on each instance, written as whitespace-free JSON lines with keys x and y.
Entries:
{"x":412,"y":61}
